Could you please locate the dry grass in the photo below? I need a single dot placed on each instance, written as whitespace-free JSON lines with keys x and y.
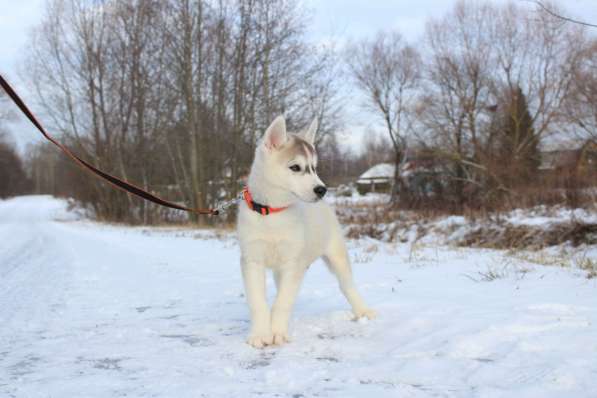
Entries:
{"x":587,"y":264}
{"x":488,"y":276}
{"x":382,"y":222}
{"x":505,"y":267}
{"x":541,"y":258}
{"x":481,"y":230}
{"x":531,"y":237}
{"x":564,"y":259}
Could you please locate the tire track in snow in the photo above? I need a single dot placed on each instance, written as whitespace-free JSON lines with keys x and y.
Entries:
{"x":34,"y":274}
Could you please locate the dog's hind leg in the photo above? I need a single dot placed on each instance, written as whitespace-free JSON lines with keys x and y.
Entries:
{"x":337,"y":260}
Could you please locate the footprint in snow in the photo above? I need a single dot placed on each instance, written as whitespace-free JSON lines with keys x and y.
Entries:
{"x":264,"y":360}
{"x":192,"y":340}
{"x":104,"y":363}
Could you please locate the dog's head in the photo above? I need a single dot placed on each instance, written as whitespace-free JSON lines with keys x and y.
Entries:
{"x":290,"y":161}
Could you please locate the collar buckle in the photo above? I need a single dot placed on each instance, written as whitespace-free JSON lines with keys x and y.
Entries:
{"x":258,"y":207}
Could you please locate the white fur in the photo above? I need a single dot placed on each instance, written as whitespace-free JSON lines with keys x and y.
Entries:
{"x":289,"y":241}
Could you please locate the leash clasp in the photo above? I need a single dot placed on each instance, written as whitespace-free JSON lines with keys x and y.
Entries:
{"x":224,"y":206}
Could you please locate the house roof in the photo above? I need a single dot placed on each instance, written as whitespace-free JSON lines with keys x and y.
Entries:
{"x":565,"y":157}
{"x":558,"y":159}
{"x":562,"y":144}
{"x":378,"y":173}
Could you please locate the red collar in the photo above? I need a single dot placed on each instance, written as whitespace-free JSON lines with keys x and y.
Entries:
{"x":258,"y":207}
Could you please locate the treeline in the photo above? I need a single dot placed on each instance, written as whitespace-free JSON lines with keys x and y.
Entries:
{"x":488,"y":86}
{"x":13,"y":178}
{"x":173,"y":95}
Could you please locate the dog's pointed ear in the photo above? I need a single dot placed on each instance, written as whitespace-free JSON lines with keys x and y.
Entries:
{"x":275,"y":135}
{"x":309,"y":134}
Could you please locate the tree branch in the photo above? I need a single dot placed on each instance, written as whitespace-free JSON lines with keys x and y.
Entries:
{"x":554,"y":14}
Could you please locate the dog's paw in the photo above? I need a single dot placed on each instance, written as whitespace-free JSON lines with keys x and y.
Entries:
{"x":365,"y":313}
{"x":281,"y":338}
{"x":260,"y":340}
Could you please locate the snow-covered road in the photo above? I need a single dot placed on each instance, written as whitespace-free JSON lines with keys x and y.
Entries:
{"x":90,"y":310}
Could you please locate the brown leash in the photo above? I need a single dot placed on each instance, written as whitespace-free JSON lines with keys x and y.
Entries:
{"x":117,"y":182}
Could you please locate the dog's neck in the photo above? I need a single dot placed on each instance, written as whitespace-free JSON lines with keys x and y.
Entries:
{"x":264,"y":192}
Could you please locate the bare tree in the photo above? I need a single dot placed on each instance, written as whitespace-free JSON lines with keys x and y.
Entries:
{"x":320,"y":94}
{"x":187,"y":84}
{"x":376,"y":148}
{"x":388,"y":72}
{"x":99,"y":71}
{"x":187,"y":30}
{"x":480,"y":55}
{"x":581,"y":106}
{"x":538,"y":55}
{"x":453,"y":107}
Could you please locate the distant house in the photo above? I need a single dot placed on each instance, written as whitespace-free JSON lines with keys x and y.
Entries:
{"x":579,"y":158}
{"x":378,"y":178}
{"x":423,"y":174}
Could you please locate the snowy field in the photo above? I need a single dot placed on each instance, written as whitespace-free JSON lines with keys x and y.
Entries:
{"x":91,"y":310}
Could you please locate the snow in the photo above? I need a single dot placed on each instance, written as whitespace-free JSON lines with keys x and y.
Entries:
{"x":98,"y":310}
{"x":370,"y":198}
{"x":542,"y":215}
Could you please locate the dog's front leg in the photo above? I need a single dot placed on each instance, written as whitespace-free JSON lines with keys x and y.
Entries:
{"x":288,"y":282}
{"x":254,"y":280}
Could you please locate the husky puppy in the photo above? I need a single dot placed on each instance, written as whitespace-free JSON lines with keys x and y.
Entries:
{"x":284,"y":225}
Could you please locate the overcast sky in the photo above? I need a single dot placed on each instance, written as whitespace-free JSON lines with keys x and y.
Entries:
{"x":332,"y":20}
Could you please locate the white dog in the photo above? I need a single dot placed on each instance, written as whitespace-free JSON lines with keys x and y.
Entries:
{"x":283,"y":225}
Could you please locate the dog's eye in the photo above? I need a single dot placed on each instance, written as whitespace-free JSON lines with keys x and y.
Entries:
{"x":295,"y":167}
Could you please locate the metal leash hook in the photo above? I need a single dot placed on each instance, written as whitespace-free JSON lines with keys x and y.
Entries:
{"x":224,"y":206}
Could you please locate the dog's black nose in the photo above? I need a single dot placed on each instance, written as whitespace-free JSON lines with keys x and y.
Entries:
{"x":320,"y":191}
